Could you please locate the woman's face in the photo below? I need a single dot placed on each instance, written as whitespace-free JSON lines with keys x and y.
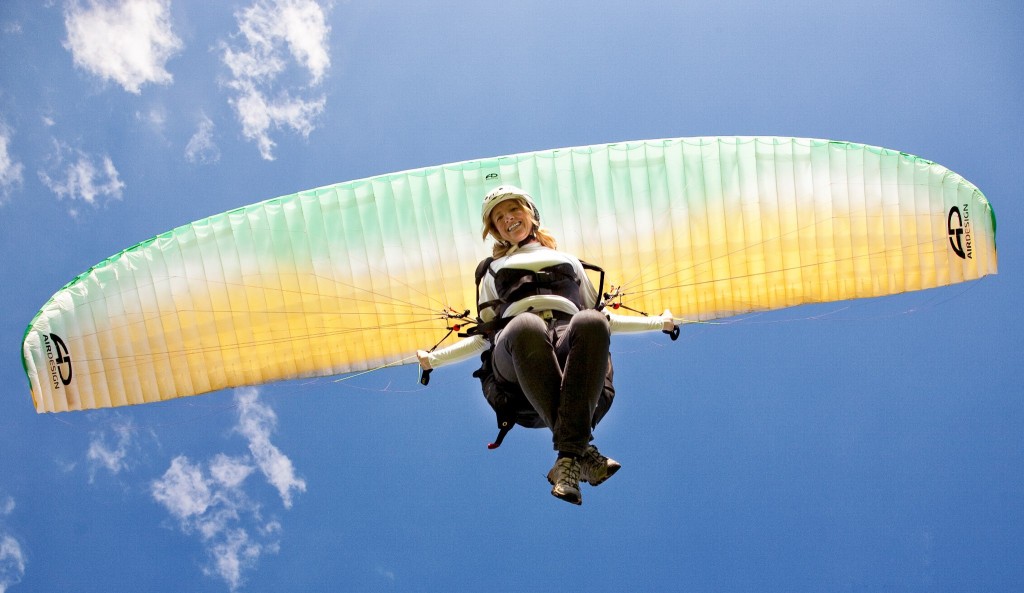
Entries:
{"x":513,"y":221}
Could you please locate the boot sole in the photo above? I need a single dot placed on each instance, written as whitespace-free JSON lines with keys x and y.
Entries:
{"x":574,"y":498}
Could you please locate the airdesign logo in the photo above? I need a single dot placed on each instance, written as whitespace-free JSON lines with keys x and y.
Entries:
{"x":958,"y":223}
{"x":58,"y":360}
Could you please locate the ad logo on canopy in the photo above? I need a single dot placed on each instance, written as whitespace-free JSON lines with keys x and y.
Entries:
{"x":58,"y":360}
{"x":958,"y":223}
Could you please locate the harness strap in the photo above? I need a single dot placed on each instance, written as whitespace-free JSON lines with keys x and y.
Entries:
{"x":481,"y":268}
{"x":488,"y":329}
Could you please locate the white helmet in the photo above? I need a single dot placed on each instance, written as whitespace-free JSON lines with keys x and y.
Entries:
{"x":499,"y":195}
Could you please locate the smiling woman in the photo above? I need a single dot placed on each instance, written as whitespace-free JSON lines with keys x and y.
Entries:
{"x":359,"y":275}
{"x":512,"y":221}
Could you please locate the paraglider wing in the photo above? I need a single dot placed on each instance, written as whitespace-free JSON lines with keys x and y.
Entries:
{"x":358,"y":275}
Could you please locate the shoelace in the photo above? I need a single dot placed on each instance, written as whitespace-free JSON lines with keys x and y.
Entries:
{"x":569,"y":471}
{"x":592,"y":460}
{"x":594,"y":457}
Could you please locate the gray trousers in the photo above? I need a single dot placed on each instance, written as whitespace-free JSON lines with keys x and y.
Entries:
{"x":560,"y":367}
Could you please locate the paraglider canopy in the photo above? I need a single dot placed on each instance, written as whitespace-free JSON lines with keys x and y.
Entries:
{"x":358,"y":275}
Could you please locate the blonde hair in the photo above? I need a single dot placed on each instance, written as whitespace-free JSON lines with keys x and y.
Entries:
{"x":501,"y":248}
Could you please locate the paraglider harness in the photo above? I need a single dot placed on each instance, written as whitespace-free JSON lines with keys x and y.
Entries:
{"x":506,"y":399}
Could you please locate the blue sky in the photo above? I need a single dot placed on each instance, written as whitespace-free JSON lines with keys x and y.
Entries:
{"x":866,"y":446}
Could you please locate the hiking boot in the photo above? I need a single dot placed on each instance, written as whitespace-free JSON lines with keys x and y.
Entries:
{"x":565,"y":479}
{"x":596,"y":468}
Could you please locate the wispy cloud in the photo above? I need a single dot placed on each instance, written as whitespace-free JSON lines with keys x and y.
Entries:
{"x":272,"y":35}
{"x":211,"y":500}
{"x":256,"y":423}
{"x":184,"y":490}
{"x":155,"y":117}
{"x":75,"y":175}
{"x":10,"y":170}
{"x":389,"y":575}
{"x":12,"y":557}
{"x":12,"y":562}
{"x":126,"y":41}
{"x":110,"y":451}
{"x":201,"y":147}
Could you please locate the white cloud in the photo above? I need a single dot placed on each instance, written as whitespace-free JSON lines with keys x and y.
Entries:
{"x":65,"y":465}
{"x":257,"y":114}
{"x":233,"y":553}
{"x":10,"y":170}
{"x":183,"y":490}
{"x":155,"y":117}
{"x":210,"y":503}
{"x":256,"y":422}
{"x":126,"y":41}
{"x":12,"y":562}
{"x":12,"y":558}
{"x":210,"y":499}
{"x":230,"y":472}
{"x":111,"y":454}
{"x":82,"y":178}
{"x":273,"y":34}
{"x":201,"y":148}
